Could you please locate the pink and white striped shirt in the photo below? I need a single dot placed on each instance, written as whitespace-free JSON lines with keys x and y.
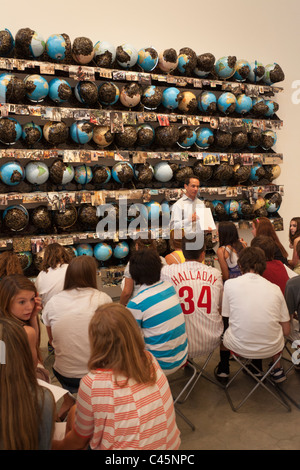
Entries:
{"x":116,"y":415}
{"x":200,"y":290}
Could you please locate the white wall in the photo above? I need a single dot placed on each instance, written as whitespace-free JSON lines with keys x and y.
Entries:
{"x":253,"y":30}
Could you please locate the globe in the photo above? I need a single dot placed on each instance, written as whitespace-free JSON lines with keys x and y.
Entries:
{"x":257,"y":172}
{"x":37,"y":88}
{"x":86,"y":92}
{"x":204,"y":172}
{"x":187,"y":137}
{"x":130,"y":95}
{"x":66,"y":219}
{"x":36,"y":173}
{"x":10,"y":130}
{"x":207,"y":102}
{"x":71,"y":251}
{"x":170,"y":98}
{"x":273,"y":74}
{"x":56,"y":47}
{"x":41,"y":218}
{"x":147,"y":58}
{"x":101,"y":174}
{"x":87,"y":217}
{"x":153,"y":209}
{"x":205,"y":64}
{"x":269,"y":139}
{"x":84,"y":249}
{"x":182,"y":173}
{"x":225,"y":67}
{"x":231,"y":207}
{"x":165,"y":210}
{"x":82,"y":50}
{"x":243,"y":104}
{"x":219,"y":210}
{"x":126,"y":55}
{"x":272,"y":171}
{"x":144,"y":172}
{"x":223,"y":172}
{"x":226,"y":103}
{"x":259,"y":107}
{"x":145,"y":135}
{"x":104,"y":54}
{"x":205,"y":137}
{"x":61,"y":172}
{"x":25,"y":258}
{"x":242,"y":70}
{"x":246,"y":210}
{"x":152,"y":97}
{"x":254,"y":138}
{"x":257,"y":71}
{"x":136,"y":210}
{"x":259,"y":207}
{"x":37,"y":45}
{"x":166,"y":136}
{"x":272,"y":108}
{"x":15,"y":218}
{"x":60,"y":90}
{"x":121,"y":250}
{"x":29,"y":44}
{"x":127,"y":138}
{"x":273,"y":202}
{"x":12,"y":88}
{"x":108,"y":93}
{"x":11,"y":173}
{"x":163,"y":172}
{"x":103,"y":136}
{"x":31,"y":133}
{"x":187,"y":102}
{"x":103,"y":251}
{"x":168,"y":60}
{"x":83,"y":174}
{"x":81,"y":131}
{"x":7,"y":43}
{"x":122,"y":172}
{"x":187,"y":61}
{"x":239,"y":140}
{"x":55,"y":132}
{"x":241,"y":172}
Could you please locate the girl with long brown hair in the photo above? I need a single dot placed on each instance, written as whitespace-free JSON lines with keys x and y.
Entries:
{"x":263,"y":226}
{"x":124,"y":402}
{"x":67,"y":315}
{"x":27,"y":410}
{"x":294,"y":238}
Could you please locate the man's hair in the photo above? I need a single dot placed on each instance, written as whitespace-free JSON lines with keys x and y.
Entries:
{"x":252,"y":259}
{"x":267,"y":244}
{"x":191,"y":249}
{"x":145,"y":266}
{"x":188,"y":179}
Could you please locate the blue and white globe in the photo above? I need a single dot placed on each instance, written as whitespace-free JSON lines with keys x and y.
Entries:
{"x":231,"y":206}
{"x":60,"y":90}
{"x":227,"y":102}
{"x":68,"y":174}
{"x":272,"y":108}
{"x":122,"y":172}
{"x":169,"y":98}
{"x":257,"y":71}
{"x":56,"y":47}
{"x":16,"y":217}
{"x":25,"y":258}
{"x":36,"y":173}
{"x":127,"y":56}
{"x":37,"y":45}
{"x":256,"y":170}
{"x":103,"y":251}
{"x":81,"y":131}
{"x":154,"y":210}
{"x":225,"y":67}
{"x":104,"y":54}
{"x":83,"y":174}
{"x":84,"y":249}
{"x":269,"y":76}
{"x":121,"y":250}
{"x":243,"y":104}
{"x":10,"y":130}
{"x":242,"y":70}
{"x":147,"y":58}
{"x":31,"y":133}
{"x":108,"y":93}
{"x":205,"y":137}
{"x":37,"y":88}
{"x":12,"y":173}
{"x":152,"y":97}
{"x":218,"y":208}
{"x":207,"y":102}
{"x":187,"y":137}
{"x":163,"y":172}
{"x":273,"y":202}
{"x":269,"y":139}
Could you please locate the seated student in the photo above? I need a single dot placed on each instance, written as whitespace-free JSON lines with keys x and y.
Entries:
{"x":124,"y":402}
{"x":51,"y":279}
{"x":176,"y":256}
{"x":158,"y":312}
{"x":263,"y":226}
{"x":27,"y":410}
{"x":292,"y":297}
{"x":275,"y":271}
{"x":257,"y":313}
{"x":67,"y":315}
{"x":229,"y":247}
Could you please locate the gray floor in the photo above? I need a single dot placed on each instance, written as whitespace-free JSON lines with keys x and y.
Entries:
{"x":261,"y":423}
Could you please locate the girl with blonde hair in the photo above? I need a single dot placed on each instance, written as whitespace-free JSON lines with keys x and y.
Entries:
{"x":124,"y":402}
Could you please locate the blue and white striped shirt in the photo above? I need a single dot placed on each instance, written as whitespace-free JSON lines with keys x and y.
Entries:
{"x":158,"y":312}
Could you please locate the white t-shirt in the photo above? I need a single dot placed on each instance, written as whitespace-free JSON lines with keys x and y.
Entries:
{"x":182,"y":211}
{"x":51,"y":282}
{"x":255,"y":308}
{"x":200,"y":289}
{"x":68,"y":314}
